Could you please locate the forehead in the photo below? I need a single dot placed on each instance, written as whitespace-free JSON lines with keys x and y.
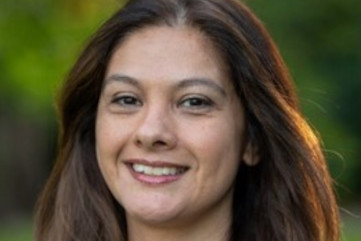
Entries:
{"x":163,"y":52}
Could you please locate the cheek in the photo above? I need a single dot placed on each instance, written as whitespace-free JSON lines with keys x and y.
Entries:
{"x":109,"y":136}
{"x":217,"y":150}
{"x":104,"y":147}
{"x":104,"y":137}
{"x":110,"y":140}
{"x":217,"y":145}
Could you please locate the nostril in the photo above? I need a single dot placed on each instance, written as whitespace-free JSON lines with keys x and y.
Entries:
{"x":138,"y":143}
{"x":155,"y":138}
{"x":153,"y":144}
{"x":159,"y":143}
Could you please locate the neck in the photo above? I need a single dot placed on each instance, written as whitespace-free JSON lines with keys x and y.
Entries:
{"x":214,"y":226}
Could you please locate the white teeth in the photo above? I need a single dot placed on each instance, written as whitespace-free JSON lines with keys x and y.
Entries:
{"x":147,"y":170}
{"x":156,"y":171}
{"x":165,"y":171}
{"x":172,"y":171}
{"x":138,"y":168}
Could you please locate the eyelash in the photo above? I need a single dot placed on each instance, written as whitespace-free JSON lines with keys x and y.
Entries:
{"x":127,"y":101}
{"x":196,"y":103}
{"x":188,"y":103}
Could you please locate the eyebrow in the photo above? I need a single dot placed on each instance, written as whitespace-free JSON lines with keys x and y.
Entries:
{"x":202,"y":82}
{"x":184,"y":83}
{"x":122,"y":78}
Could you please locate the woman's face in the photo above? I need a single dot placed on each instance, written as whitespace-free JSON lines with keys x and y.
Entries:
{"x":169,"y":127}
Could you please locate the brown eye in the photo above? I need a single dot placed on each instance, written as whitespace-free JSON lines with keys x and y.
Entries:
{"x":196,"y":103}
{"x":127,"y":101}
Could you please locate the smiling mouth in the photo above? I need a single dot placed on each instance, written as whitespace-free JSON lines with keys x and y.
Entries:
{"x":157,"y":171}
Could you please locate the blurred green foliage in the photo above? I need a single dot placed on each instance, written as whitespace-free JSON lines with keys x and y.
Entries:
{"x":320,"y":43}
{"x":40,"y":40}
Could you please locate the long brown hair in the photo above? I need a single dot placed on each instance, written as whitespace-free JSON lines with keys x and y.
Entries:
{"x":286,"y":196}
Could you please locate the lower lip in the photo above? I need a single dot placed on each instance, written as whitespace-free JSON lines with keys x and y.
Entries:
{"x":154,"y":180}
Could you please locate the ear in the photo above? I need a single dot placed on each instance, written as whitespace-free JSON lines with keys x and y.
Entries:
{"x":251,"y":154}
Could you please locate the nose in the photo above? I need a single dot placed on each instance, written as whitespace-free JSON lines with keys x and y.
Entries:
{"x":156,"y":131}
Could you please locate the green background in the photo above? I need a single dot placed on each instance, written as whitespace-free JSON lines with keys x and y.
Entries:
{"x":40,"y":39}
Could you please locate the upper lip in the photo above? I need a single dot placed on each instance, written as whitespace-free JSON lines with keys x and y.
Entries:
{"x":154,"y":163}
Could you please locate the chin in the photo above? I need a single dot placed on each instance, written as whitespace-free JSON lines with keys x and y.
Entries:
{"x":159,"y":218}
{"x":154,"y":215}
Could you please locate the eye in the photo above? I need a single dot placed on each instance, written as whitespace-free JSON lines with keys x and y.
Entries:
{"x":127,"y":101}
{"x":196,"y":103}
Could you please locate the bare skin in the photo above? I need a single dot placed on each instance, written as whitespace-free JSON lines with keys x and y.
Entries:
{"x":170,"y":135}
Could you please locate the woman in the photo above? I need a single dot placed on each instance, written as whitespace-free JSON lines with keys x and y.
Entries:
{"x":179,"y":122}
